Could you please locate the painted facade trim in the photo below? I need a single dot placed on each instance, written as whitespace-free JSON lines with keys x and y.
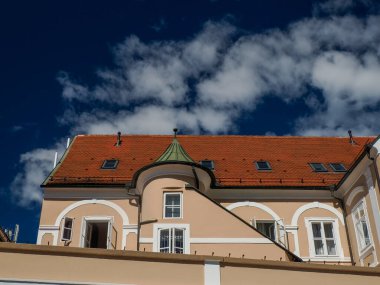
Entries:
{"x":259,"y":206}
{"x":211,"y":272}
{"x":304,"y":208}
{"x":353,"y":194}
{"x":220,"y":240}
{"x":374,"y":202}
{"x":312,"y":205}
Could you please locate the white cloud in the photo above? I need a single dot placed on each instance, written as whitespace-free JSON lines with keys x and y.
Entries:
{"x":37,"y":164}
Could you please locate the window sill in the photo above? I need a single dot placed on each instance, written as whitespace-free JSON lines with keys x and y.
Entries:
{"x":366,"y":251}
{"x":327,"y":258}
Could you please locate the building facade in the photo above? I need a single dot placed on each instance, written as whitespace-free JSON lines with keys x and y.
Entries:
{"x":296,"y":199}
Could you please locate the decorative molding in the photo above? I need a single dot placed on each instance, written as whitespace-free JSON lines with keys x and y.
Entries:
{"x":304,"y":208}
{"x":220,"y":240}
{"x":9,"y":281}
{"x":318,"y":205}
{"x":256,"y":205}
{"x":327,"y":259}
{"x":110,"y":204}
{"x":353,"y":194}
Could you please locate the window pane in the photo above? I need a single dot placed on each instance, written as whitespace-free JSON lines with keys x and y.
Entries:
{"x":365,"y":233}
{"x":328,"y":227}
{"x":68,"y":223}
{"x":331,"y":249}
{"x":173,"y":199}
{"x":178,"y":241}
{"x":318,"y":245}
{"x":164,"y":240}
{"x":267,"y":228}
{"x":66,"y":234}
{"x":316,"y":230}
{"x":172,"y":212}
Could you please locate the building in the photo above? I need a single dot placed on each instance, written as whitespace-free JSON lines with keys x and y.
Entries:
{"x":290,"y":204}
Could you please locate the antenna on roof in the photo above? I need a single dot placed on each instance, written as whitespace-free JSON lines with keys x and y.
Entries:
{"x":351,"y":137}
{"x":55,"y":159}
{"x":175,"y":130}
{"x":118,"y":142}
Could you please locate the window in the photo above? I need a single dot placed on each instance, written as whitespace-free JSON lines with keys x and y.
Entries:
{"x":361,"y":226}
{"x":263,"y":165}
{"x":318,"y":167}
{"x":267,"y":228}
{"x":208,"y":164}
{"x":338,"y":167}
{"x":172,"y":205}
{"x":322,"y":238}
{"x":99,"y":233}
{"x":110,"y":164}
{"x":67,"y":229}
{"x":171,"y":240}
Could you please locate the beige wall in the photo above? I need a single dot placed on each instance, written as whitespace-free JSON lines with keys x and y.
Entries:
{"x":206,"y":220}
{"x":51,"y":209}
{"x":95,"y":266}
{"x":285,"y":210}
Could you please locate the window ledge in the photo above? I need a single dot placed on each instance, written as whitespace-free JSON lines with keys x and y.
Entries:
{"x":326,"y":258}
{"x":366,"y":251}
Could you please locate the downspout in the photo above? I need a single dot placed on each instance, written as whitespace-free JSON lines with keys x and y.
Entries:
{"x":139,"y":199}
{"x":341,"y":202}
{"x":139,"y":205}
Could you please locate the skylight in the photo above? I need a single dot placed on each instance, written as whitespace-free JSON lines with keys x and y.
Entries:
{"x":263,"y":165}
{"x":110,"y":164}
{"x":338,"y":167}
{"x":318,"y":167}
{"x":208,"y":164}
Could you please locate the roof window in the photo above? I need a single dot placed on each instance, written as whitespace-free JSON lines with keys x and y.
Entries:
{"x":110,"y":164}
{"x":337,"y":167}
{"x":263,"y":165}
{"x":208,"y":164}
{"x":318,"y":167}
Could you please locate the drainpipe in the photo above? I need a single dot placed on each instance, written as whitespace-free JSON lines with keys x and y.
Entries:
{"x":139,"y":199}
{"x":139,"y":205}
{"x":341,"y":202}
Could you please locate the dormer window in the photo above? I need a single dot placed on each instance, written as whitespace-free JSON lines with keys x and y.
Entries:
{"x":318,"y":167}
{"x":337,"y":167}
{"x":208,"y":164}
{"x":110,"y":164}
{"x":263,"y":165}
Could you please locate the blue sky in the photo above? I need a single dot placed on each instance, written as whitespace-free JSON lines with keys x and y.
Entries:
{"x":208,"y":67}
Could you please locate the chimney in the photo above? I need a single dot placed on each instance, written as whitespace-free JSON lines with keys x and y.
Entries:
{"x":351,"y":137}
{"x":118,"y":142}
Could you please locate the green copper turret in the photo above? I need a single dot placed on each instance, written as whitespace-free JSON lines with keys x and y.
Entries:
{"x":175,"y":152}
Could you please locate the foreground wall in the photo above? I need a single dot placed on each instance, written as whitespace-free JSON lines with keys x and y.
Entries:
{"x":58,"y":265}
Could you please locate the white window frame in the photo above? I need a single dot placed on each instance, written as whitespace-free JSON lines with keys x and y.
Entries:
{"x":362,"y":251}
{"x":63,"y":228}
{"x":180,"y":205}
{"x":108,"y":219}
{"x":186,"y":235}
{"x":338,"y":246}
{"x":254,"y":222}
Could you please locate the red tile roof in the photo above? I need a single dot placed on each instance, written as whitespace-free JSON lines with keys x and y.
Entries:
{"x":233,"y":157}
